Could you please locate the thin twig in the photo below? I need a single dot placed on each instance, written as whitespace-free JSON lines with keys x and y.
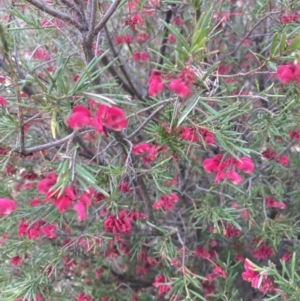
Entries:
{"x":106,"y":17}
{"x":146,"y":121}
{"x":57,"y":14}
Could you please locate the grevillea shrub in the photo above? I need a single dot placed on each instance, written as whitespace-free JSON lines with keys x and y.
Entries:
{"x":149,"y":150}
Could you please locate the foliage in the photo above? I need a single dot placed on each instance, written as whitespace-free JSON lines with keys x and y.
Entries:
{"x":149,"y":150}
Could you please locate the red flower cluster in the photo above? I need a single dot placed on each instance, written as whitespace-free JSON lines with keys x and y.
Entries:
{"x":187,"y":76}
{"x":141,"y":37}
{"x":83,"y":297}
{"x":166,"y":202}
{"x":62,"y":202}
{"x":126,"y":39}
{"x":192,"y":134}
{"x":41,"y":54}
{"x":260,"y":282}
{"x":289,"y":19}
{"x":134,"y":21}
{"x":263,"y":251}
{"x":7,"y":206}
{"x":225,"y":168}
{"x":294,"y":134}
{"x":270,"y":203}
{"x":179,"y":85}
{"x":38,"y":229}
{"x":121,"y":223}
{"x":159,"y":282}
{"x":148,"y":151}
{"x":230,"y":231}
{"x":288,"y":73}
{"x":271,"y":155}
{"x":111,"y":117}
{"x":140,"y":56}
{"x":66,"y":199}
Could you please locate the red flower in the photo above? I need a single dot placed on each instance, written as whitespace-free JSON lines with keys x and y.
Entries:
{"x":79,"y":118}
{"x":155,"y":84}
{"x":3,"y":101}
{"x":134,"y":20}
{"x":207,"y":136}
{"x":44,"y":185}
{"x":177,"y":21}
{"x":22,"y":228}
{"x":41,"y":54}
{"x":270,"y":203}
{"x":64,"y":201}
{"x":144,"y":57}
{"x":34,"y":231}
{"x":260,"y":282}
{"x":245,"y":165}
{"x":230,"y":175}
{"x":286,"y":256}
{"x":124,"y":187}
{"x":141,"y":37}
{"x":159,"y":282}
{"x":48,"y":231}
{"x":179,"y":88}
{"x":80,"y":209}
{"x":288,"y":19}
{"x":83,"y":297}
{"x":294,"y":135}
{"x":188,"y":133}
{"x":171,"y":38}
{"x":263,"y":251}
{"x":123,"y":39}
{"x":16,"y":260}
{"x":118,"y":224}
{"x":112,"y":117}
{"x":166,"y":202}
{"x":187,"y":76}
{"x":211,"y":164}
{"x":7,"y":206}
{"x":283,"y":160}
{"x":226,"y":168}
{"x":230,"y":231}
{"x":148,"y":152}
{"x":136,"y":56}
{"x":202,"y":253}
{"x":269,"y":154}
{"x":219,"y":272}
{"x":285,"y":73}
{"x":75,"y":77}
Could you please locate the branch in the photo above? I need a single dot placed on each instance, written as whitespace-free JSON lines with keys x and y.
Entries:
{"x":92,"y":18}
{"x":48,"y":145}
{"x":122,"y":67}
{"x":163,"y":46}
{"x":146,"y":121}
{"x":106,"y":17}
{"x":57,"y":14}
{"x":78,"y":10}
